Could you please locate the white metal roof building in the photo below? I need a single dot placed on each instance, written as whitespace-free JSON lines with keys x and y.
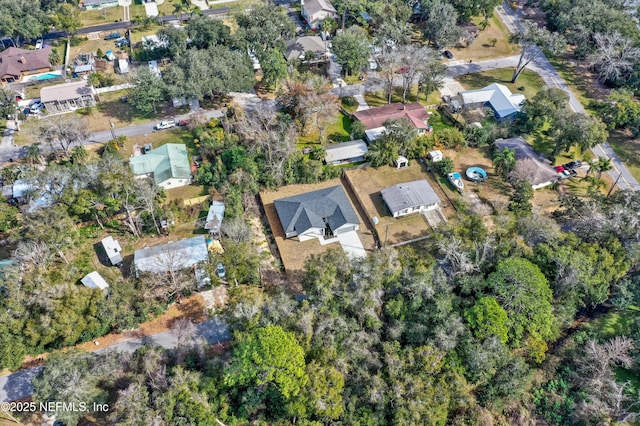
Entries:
{"x":346,"y":152}
{"x":497,"y":96}
{"x":172,"y":256}
{"x":215,"y":216}
{"x":94,"y":280}
{"x":113,"y":250}
{"x":410,"y":197}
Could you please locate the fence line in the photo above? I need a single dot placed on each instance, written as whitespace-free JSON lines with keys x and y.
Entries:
{"x":114,"y":88}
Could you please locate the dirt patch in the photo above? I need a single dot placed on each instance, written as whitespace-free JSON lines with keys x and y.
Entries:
{"x":293,"y":252}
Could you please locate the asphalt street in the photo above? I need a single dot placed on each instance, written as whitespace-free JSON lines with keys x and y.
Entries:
{"x":17,"y":386}
{"x":543,"y":67}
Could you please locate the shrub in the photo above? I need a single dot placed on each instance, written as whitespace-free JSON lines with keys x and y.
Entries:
{"x":349,"y":101}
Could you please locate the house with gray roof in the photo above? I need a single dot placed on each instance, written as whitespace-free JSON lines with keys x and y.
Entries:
{"x":167,"y":165}
{"x":410,"y":197}
{"x":68,"y":97}
{"x":171,"y":257}
{"x":496,"y":96}
{"x":324,"y":213}
{"x":316,"y":11}
{"x":298,"y":47}
{"x":346,"y":152}
{"x":536,"y":169}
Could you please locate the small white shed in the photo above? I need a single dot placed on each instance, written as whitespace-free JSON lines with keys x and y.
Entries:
{"x":113,"y":250}
{"x":435,"y":156}
{"x":94,"y":280}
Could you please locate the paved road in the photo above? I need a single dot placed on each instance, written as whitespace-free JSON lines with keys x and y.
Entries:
{"x":9,"y":151}
{"x":18,"y":385}
{"x":543,"y":67}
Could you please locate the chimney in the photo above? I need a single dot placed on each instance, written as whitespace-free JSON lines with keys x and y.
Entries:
{"x":22,"y":60}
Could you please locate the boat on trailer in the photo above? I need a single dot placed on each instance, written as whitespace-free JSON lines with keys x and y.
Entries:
{"x":456,"y":180}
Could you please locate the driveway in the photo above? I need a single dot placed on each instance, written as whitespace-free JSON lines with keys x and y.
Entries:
{"x":351,"y":244}
{"x":18,"y":385}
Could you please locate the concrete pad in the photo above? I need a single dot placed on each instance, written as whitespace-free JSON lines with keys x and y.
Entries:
{"x":151,"y":9}
{"x":351,"y":244}
{"x":451,"y":87}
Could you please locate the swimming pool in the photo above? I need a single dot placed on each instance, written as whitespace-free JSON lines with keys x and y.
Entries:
{"x":476,"y":174}
{"x":43,"y":76}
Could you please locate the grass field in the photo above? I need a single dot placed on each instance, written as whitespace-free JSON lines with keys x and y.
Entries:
{"x":529,"y":83}
{"x":380,"y":98}
{"x":482,"y":48}
{"x":337,"y":131}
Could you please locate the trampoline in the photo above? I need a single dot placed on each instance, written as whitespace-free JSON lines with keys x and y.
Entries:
{"x":476,"y":174}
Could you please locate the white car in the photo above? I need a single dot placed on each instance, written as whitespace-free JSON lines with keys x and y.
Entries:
{"x":39,"y":44}
{"x":167,"y":124}
{"x":36,"y":106}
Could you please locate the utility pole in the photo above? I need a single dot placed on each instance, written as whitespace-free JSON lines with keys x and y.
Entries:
{"x":113,"y":130}
{"x":614,"y":184}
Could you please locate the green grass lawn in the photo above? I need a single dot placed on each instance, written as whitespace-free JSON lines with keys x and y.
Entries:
{"x":529,"y":83}
{"x":628,"y":150}
{"x":338,"y":131}
{"x":482,"y":48}
{"x":375,"y":99}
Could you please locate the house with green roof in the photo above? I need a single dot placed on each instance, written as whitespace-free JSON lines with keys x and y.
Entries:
{"x":167,"y":165}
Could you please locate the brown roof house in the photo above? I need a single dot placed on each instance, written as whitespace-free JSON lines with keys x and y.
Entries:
{"x":67,"y":97}
{"x":316,"y":11}
{"x":16,"y":63}
{"x":299,"y":46}
{"x":374,"y":118}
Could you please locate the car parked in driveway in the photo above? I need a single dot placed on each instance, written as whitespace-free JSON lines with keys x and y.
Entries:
{"x":184,"y":122}
{"x":448,"y":54}
{"x":571,"y":165}
{"x":166,"y":124}
{"x":36,"y":105}
{"x":122,"y":42}
{"x":39,"y":44}
{"x":113,"y":36}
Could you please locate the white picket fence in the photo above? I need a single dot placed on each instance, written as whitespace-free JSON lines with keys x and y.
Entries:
{"x":114,"y":88}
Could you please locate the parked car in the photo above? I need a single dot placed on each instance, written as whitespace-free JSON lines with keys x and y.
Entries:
{"x":39,"y":43}
{"x":147,"y":148}
{"x":36,"y":105}
{"x":448,"y":54}
{"x":220,"y":271}
{"x":113,"y":36}
{"x":122,"y":42}
{"x":183,"y":123}
{"x":167,"y":124}
{"x":571,"y":165}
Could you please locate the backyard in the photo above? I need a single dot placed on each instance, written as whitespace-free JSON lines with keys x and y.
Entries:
{"x":375,"y":99}
{"x":367,"y":184}
{"x":338,"y":130}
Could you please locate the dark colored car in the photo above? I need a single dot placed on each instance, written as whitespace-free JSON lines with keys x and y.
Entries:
{"x":448,"y":54}
{"x":183,"y":123}
{"x":147,"y":148}
{"x":113,"y":36}
{"x":573,"y":165}
{"x":122,"y":42}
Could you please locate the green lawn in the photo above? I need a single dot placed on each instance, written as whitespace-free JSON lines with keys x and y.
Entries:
{"x":579,"y":81}
{"x":375,"y":99}
{"x":338,"y":131}
{"x":529,"y":83}
{"x":628,"y":150}
{"x":482,"y":48}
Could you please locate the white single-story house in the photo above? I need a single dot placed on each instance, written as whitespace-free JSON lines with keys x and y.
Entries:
{"x":94,"y":280}
{"x":121,"y":65}
{"x":167,"y":165}
{"x":172,"y":256}
{"x":537,"y":169}
{"x":410,"y":197}
{"x":346,"y":152}
{"x":112,"y":249}
{"x":324,"y":213}
{"x":496,"y":96}
{"x":67,"y":97}
{"x":215,"y":216}
{"x":374,"y":134}
{"x":316,"y":11}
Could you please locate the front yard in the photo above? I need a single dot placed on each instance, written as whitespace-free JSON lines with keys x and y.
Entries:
{"x":529,"y":83}
{"x":483,"y":47}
